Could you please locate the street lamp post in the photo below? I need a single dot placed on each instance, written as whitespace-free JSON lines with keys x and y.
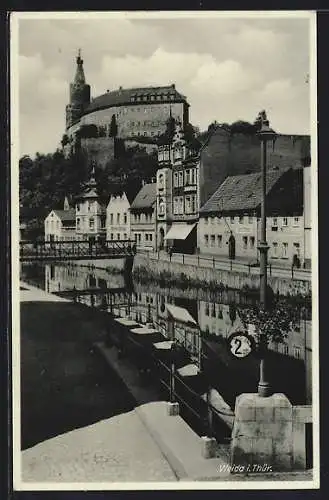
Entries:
{"x":265,"y":134}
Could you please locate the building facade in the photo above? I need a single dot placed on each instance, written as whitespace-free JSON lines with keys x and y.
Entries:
{"x":60,"y":224}
{"x":307,"y":217}
{"x":143,"y":219}
{"x":90,"y":213}
{"x":177,"y":194}
{"x":118,"y":218}
{"x":229,"y":224}
{"x":141,"y":111}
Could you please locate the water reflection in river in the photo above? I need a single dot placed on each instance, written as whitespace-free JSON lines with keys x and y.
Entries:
{"x":215,"y":314}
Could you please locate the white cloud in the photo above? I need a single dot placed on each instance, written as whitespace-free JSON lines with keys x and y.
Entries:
{"x":228,"y":69}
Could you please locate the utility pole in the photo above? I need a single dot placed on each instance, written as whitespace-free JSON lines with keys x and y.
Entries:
{"x":265,"y":134}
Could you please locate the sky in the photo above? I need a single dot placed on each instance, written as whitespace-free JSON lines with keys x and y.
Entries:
{"x":228,"y":68}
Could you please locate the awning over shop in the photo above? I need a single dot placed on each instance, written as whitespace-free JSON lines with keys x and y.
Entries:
{"x":144,"y":331}
{"x":179,"y":231}
{"x":180,"y":314}
{"x":165,"y":345}
{"x":188,"y":371}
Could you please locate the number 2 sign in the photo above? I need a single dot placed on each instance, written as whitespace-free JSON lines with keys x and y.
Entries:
{"x":240,"y":344}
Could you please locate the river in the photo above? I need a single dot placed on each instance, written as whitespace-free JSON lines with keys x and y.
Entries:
{"x":216,"y":315}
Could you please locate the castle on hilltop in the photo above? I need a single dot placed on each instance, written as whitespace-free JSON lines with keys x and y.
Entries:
{"x":139,"y":112}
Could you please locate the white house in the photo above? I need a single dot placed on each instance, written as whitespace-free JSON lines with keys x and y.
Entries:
{"x":60,"y":224}
{"x":90,"y":213}
{"x":118,"y":218}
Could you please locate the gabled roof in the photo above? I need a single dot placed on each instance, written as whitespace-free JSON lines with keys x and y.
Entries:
{"x":65,"y":215}
{"x":240,"y":192}
{"x":146,"y":197}
{"x":124,"y":96}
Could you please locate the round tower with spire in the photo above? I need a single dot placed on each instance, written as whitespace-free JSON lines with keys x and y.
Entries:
{"x":79,"y":94}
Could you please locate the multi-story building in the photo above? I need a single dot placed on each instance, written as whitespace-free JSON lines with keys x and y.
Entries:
{"x":143,"y":218}
{"x":118,"y":218}
{"x":141,"y":111}
{"x":307,"y":217}
{"x":90,"y":213}
{"x":229,"y":222}
{"x":60,"y":224}
{"x":177,"y":194}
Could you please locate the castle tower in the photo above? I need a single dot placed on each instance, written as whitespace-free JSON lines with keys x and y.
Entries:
{"x":79,"y":94}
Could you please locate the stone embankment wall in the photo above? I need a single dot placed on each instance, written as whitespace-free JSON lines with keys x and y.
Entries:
{"x":231,"y":279}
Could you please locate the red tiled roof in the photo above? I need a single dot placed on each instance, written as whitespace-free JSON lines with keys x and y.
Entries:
{"x":123,"y":96}
{"x":145,"y":198}
{"x":66,"y":215}
{"x":240,"y":192}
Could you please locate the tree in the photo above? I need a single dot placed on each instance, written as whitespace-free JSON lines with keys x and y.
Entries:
{"x":113,"y":127}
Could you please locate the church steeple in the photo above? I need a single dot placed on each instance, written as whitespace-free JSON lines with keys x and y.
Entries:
{"x":79,"y":78}
{"x":79,"y":94}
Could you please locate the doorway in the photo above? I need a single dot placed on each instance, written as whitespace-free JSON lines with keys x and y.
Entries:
{"x":231,"y":247}
{"x":161,"y":238}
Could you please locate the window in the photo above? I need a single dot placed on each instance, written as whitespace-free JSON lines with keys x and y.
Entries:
{"x":284,"y":250}
{"x":275,"y":249}
{"x":297,"y":352}
{"x":212,"y":240}
{"x":176,"y":179}
{"x":245,"y":241}
{"x":180,"y":179}
{"x":111,"y":218}
{"x":78,"y":223}
{"x":297,"y":249}
{"x":146,"y":237}
{"x":176,"y":208}
{"x":275,"y":221}
{"x":213,"y":311}
{"x":206,"y":220}
{"x":161,"y":180}
{"x":252,"y":241}
{"x":206,"y":240}
{"x":150,"y":237}
{"x":187,"y":204}
{"x":206,"y":309}
{"x":118,"y":218}
{"x":78,"y":207}
{"x":219,"y":240}
{"x":193,"y":176}
{"x":285,"y":221}
{"x":118,"y":236}
{"x":125,"y":218}
{"x":111,"y":236}
{"x":232,"y":219}
{"x":285,"y":349}
{"x":92,"y":223}
{"x":125,"y":236}
{"x":240,"y":219}
{"x":193,"y":204}
{"x":187,"y":177}
{"x":250,"y":219}
{"x":296,"y":221}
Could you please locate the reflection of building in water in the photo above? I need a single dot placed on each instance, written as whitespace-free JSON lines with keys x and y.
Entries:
{"x":183,"y":328}
{"x":69,"y":277}
{"x":222,"y":320}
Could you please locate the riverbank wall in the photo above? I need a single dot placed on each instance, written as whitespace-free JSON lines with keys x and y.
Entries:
{"x":163,"y":270}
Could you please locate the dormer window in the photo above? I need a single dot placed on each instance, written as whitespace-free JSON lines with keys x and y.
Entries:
{"x":158,"y":97}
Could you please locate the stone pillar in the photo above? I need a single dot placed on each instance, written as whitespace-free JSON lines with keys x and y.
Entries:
{"x":208,"y":447}
{"x":173,"y":409}
{"x":262,"y":436}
